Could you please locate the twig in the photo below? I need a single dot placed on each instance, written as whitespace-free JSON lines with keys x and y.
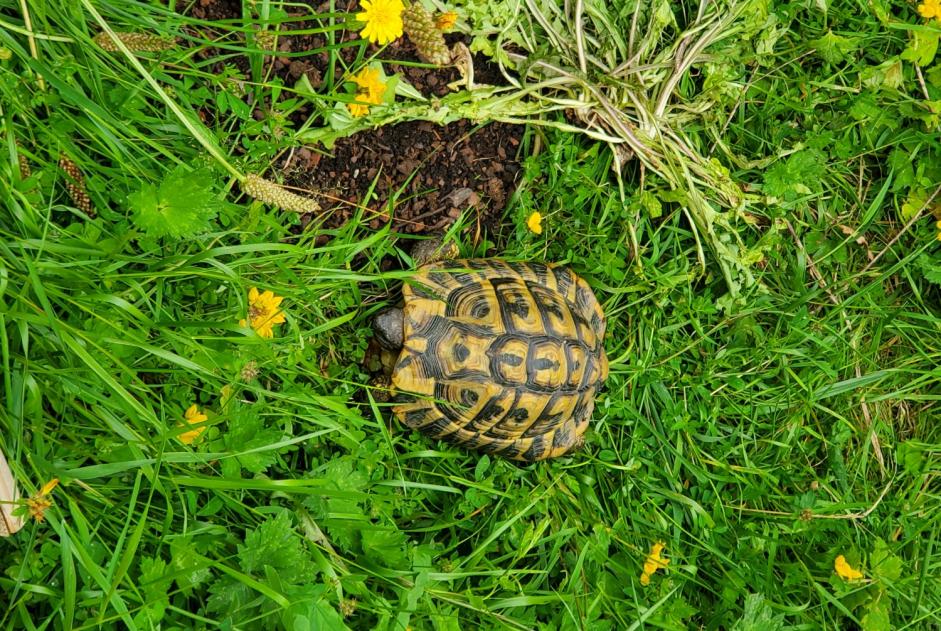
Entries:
{"x":863,"y":515}
{"x":921,"y":82}
{"x":904,"y":229}
{"x":33,"y":50}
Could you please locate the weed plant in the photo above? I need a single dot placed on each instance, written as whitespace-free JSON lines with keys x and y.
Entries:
{"x":766,"y":255}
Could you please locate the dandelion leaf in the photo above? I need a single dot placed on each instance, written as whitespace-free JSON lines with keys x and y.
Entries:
{"x":834,"y":48}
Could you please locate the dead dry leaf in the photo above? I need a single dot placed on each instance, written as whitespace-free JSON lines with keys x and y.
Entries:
{"x":9,"y":495}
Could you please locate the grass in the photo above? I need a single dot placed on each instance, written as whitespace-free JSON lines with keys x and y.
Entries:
{"x":758,"y":435}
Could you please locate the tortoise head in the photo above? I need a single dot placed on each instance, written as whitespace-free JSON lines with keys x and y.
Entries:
{"x":390,"y":328}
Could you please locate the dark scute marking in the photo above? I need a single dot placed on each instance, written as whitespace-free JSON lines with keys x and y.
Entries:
{"x":456,"y":297}
{"x":583,"y":295}
{"x":466,"y":279}
{"x":487,"y":413}
{"x":492,"y":412}
{"x":405,"y":362}
{"x":542,"y":273}
{"x":516,"y":304}
{"x":535,"y":449}
{"x":414,"y":418}
{"x":489,"y":448}
{"x":519,"y":415}
{"x":597,"y":324}
{"x":544,"y":363}
{"x":461,"y":352}
{"x":511,"y":450}
{"x":563,"y":279}
{"x":545,"y":301}
{"x":449,"y":412}
{"x":520,"y":268}
{"x":563,"y":437}
{"x":438,"y":428}
{"x":422,"y":291}
{"x":469,"y":397}
{"x":440,"y":278}
{"x":553,"y":308}
{"x":480,"y":309}
{"x":545,"y":424}
{"x":510,"y":359}
{"x":581,"y":406}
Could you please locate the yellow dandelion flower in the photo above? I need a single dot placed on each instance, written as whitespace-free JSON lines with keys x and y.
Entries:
{"x":263,"y":312}
{"x":653,"y":562}
{"x":41,"y":502}
{"x":192,"y":416}
{"x":845,"y":571}
{"x":371,"y":89}
{"x":534,"y":223}
{"x":930,"y":9}
{"x":445,"y":21}
{"x":383,"y":19}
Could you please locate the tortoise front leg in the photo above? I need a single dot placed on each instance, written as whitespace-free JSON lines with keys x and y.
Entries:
{"x":434,"y":249}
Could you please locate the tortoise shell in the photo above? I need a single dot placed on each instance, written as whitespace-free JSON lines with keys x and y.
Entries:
{"x":504,"y":357}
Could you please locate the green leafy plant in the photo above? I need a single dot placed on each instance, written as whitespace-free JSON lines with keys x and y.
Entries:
{"x":182,"y":205}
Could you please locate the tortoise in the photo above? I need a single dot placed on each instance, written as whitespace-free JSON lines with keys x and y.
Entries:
{"x":498,"y":356}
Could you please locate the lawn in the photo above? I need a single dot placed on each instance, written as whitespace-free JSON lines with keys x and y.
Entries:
{"x":752,"y":188}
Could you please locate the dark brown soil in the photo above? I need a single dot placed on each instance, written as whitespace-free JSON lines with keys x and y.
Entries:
{"x":432,"y":173}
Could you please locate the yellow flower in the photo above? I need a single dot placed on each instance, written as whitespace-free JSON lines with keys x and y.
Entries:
{"x":930,"y":9}
{"x":939,"y":230}
{"x":383,"y":19}
{"x":445,"y":21}
{"x":193,"y":417}
{"x":653,"y":562}
{"x":40,"y":503}
{"x":534,"y":223}
{"x":845,"y":571}
{"x":263,"y":312}
{"x":370,"y":92}
{"x":49,"y":486}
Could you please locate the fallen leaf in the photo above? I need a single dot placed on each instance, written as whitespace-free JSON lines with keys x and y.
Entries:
{"x":9,"y":494}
